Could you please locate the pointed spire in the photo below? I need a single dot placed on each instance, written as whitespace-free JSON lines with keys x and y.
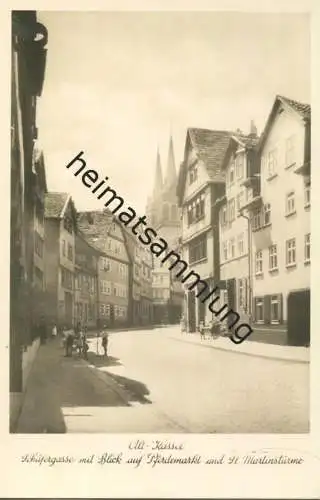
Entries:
{"x":171,"y":175}
{"x":158,"y":181}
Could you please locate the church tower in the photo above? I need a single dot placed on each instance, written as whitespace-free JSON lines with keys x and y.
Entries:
{"x":163,"y":216}
{"x":162,"y":207}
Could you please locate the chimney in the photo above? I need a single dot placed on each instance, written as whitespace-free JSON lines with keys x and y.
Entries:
{"x":253,"y":129}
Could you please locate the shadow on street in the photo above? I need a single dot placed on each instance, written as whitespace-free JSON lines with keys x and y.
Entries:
{"x":136,"y":391}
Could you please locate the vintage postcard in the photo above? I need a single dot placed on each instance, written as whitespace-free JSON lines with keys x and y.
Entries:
{"x":157,"y":207}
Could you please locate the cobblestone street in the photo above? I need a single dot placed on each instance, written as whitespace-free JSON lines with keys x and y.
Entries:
{"x":200,"y":390}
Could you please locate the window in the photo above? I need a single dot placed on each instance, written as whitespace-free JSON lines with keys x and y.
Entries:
{"x":38,"y":244}
{"x":273,"y":258}
{"x":231,"y":210}
{"x":290,"y":204}
{"x":291,"y":252}
{"x":256,"y":220}
{"x":241,"y":244}
{"x":275,"y":309}
{"x":272,"y":163}
{"x":267,"y":214}
{"x":63,"y":247}
{"x":225,"y":250}
{"x":195,"y":209}
{"x":105,"y":287}
{"x":193,"y":174}
{"x":290,"y":151}
{"x":241,"y":292}
{"x":307,"y":195}
{"x":239,"y":164}
{"x":66,"y":278}
{"x":232,"y":248}
{"x":70,"y":252}
{"x":231,"y":173}
{"x":198,"y":249}
{"x":307,"y":248}
{"x":259,"y":312}
{"x":259,"y":266}
{"x":105,"y":264}
{"x":223,"y":214}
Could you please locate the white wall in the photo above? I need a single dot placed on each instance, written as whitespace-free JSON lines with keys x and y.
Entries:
{"x":274,"y":191}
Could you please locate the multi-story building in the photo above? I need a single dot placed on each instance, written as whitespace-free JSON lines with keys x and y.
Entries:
{"x":164,"y":215}
{"x":86,"y":282}
{"x":102,"y":230}
{"x":235,"y":252}
{"x":280,"y":218}
{"x":28,"y":57}
{"x":200,"y":185}
{"x":146,"y":307}
{"x":140,"y":281}
{"x":60,"y":236}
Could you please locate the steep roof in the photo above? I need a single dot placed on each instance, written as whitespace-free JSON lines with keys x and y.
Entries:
{"x":248,"y":142}
{"x":95,"y":225}
{"x":54,"y":204}
{"x":302,"y":109}
{"x":210,"y":147}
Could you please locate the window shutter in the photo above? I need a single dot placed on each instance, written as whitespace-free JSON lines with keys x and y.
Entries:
{"x":267,"y":309}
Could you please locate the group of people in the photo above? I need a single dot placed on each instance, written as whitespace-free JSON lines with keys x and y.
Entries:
{"x":77,"y":339}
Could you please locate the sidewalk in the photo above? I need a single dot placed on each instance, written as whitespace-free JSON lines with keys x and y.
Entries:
{"x":251,"y":348}
{"x":57,"y":383}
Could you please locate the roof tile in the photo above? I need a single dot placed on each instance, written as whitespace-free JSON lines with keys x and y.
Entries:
{"x":211,"y":146}
{"x":302,"y":108}
{"x":54,"y":203}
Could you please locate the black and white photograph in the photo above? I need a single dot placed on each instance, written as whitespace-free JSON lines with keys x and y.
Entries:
{"x":160,"y":233}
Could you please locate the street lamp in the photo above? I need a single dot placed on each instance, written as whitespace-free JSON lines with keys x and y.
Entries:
{"x":249,"y":266}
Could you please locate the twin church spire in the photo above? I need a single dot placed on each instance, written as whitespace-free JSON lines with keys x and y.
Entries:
{"x":170,"y":178}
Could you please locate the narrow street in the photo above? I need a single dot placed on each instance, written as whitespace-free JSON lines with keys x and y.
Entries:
{"x":154,"y":381}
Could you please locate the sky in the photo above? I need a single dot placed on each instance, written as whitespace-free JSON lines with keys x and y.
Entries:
{"x":118,"y":83}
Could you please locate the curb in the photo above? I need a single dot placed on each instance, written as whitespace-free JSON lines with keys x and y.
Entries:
{"x":108,"y":381}
{"x":244,"y":353}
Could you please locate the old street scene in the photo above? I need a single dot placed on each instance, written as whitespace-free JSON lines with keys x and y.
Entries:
{"x":105,"y":335}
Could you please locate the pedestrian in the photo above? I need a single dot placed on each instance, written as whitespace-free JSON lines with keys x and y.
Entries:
{"x":104,"y":342}
{"x":54,"y":331}
{"x":69,"y":343}
{"x":84,"y":344}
